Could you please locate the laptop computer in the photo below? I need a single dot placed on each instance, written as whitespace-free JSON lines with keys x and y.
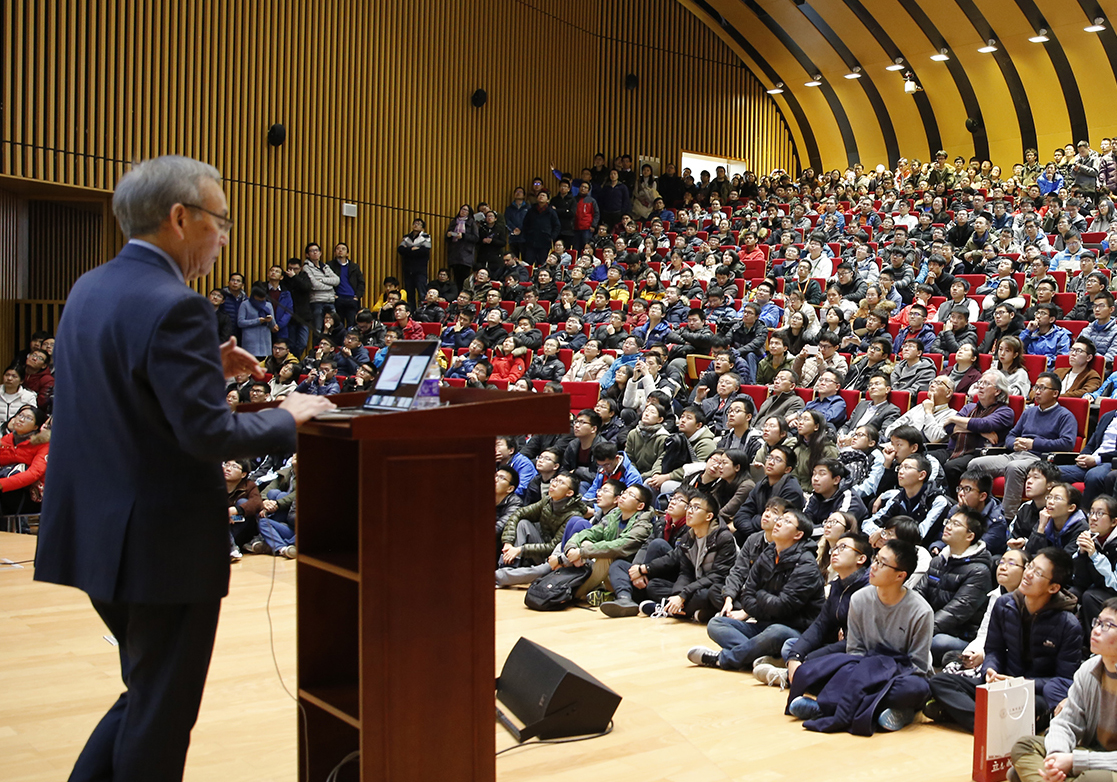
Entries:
{"x":398,"y":383}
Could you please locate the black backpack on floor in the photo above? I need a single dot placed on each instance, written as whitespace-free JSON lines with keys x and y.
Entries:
{"x":555,"y":591}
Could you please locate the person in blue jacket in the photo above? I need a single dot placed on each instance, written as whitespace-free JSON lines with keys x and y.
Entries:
{"x":1033,"y":633}
{"x":508,"y":452}
{"x":611,"y":463}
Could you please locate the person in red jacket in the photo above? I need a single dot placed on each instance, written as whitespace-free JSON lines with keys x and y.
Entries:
{"x":38,"y":377}
{"x":587,"y":216}
{"x":412,"y":329}
{"x":26,"y":445}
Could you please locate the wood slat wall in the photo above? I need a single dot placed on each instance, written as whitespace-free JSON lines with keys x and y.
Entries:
{"x":375,"y":99}
{"x":9,"y":259}
{"x":63,"y":243}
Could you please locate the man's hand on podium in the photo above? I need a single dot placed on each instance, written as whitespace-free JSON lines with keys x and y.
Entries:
{"x":303,"y":407}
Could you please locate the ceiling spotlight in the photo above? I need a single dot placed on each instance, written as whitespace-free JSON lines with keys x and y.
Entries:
{"x":911,"y":86}
{"x":942,"y":56}
{"x":777,"y":90}
{"x":1040,"y":36}
{"x":1097,"y":27}
{"x":989,"y":48}
{"x":816,"y":81}
{"x":898,"y":65}
{"x":855,"y":73}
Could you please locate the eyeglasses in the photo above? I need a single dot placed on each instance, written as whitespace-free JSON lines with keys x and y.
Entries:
{"x":1043,"y":387}
{"x":881,"y":563}
{"x":224,"y":223}
{"x":833,"y":522}
{"x":954,"y":522}
{"x":1099,"y":514}
{"x":696,"y":507}
{"x":1009,"y":563}
{"x":1031,"y":568}
{"x":838,"y":549}
{"x":1104,"y":624}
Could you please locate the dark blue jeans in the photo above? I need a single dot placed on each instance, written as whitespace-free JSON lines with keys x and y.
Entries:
{"x":742,"y":642}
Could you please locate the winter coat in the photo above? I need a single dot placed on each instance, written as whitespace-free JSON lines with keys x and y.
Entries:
{"x":844,"y":500}
{"x":747,"y":520}
{"x":721,"y":550}
{"x":784,"y":588}
{"x":504,"y":510}
{"x":31,"y":452}
{"x":832,"y":621}
{"x":643,"y":447}
{"x":551,"y":523}
{"x":957,"y":588}
{"x":1054,"y":645}
{"x":461,"y":252}
{"x":544,"y":368}
{"x":607,"y":540}
{"x":322,"y":282}
{"x":541,"y":227}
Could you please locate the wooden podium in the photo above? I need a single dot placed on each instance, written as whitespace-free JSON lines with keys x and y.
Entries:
{"x":395,"y":585}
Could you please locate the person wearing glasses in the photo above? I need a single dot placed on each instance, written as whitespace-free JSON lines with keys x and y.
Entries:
{"x":975,"y":492}
{"x":676,"y":580}
{"x":1103,"y":331}
{"x":778,"y":481}
{"x":1044,"y":427}
{"x":916,"y":496}
{"x":1080,"y":379}
{"x":1079,"y":742}
{"x":119,"y":449}
{"x":890,"y":621}
{"x":783,"y":594}
{"x":957,"y":583}
{"x":1033,"y":633}
{"x":1095,"y":562}
{"x":849,"y":562}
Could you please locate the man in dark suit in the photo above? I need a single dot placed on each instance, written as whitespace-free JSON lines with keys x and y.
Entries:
{"x":875,"y":410}
{"x":137,"y":512}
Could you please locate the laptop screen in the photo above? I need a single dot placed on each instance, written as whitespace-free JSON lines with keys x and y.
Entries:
{"x":401,"y":374}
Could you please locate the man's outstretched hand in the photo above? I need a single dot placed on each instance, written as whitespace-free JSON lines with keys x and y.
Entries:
{"x":235,"y":360}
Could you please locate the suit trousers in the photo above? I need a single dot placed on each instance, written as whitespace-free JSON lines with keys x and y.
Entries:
{"x":164,"y":658}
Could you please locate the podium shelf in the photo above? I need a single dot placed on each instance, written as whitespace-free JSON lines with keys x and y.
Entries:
{"x":340,"y":563}
{"x":338,"y":700}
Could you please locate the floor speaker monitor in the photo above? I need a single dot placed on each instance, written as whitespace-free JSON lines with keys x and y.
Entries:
{"x":551,"y":696}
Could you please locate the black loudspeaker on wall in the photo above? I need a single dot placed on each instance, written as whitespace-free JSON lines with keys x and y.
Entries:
{"x":551,"y":695}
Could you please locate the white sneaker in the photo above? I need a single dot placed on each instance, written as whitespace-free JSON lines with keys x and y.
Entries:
{"x":235,"y":555}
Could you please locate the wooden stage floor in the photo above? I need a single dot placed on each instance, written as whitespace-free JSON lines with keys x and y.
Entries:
{"x":676,"y":722}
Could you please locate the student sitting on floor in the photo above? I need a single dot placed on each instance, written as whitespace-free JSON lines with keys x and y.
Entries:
{"x":677,"y":580}
{"x":889,"y":640}
{"x":1032,"y":633}
{"x":849,"y":560}
{"x":783,"y":594}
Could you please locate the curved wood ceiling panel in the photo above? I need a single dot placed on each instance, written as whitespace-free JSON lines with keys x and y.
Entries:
{"x":1022,"y":95}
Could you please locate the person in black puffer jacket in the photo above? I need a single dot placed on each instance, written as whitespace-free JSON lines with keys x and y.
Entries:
{"x":957,"y":583}
{"x":783,"y":593}
{"x":547,"y":366}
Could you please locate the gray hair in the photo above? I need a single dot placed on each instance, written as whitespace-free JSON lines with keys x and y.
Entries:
{"x":145,"y":194}
{"x":997,"y":378}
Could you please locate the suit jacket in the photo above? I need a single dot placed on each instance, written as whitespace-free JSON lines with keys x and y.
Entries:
{"x":137,"y":505}
{"x":885,"y":414}
{"x":1085,"y":383}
